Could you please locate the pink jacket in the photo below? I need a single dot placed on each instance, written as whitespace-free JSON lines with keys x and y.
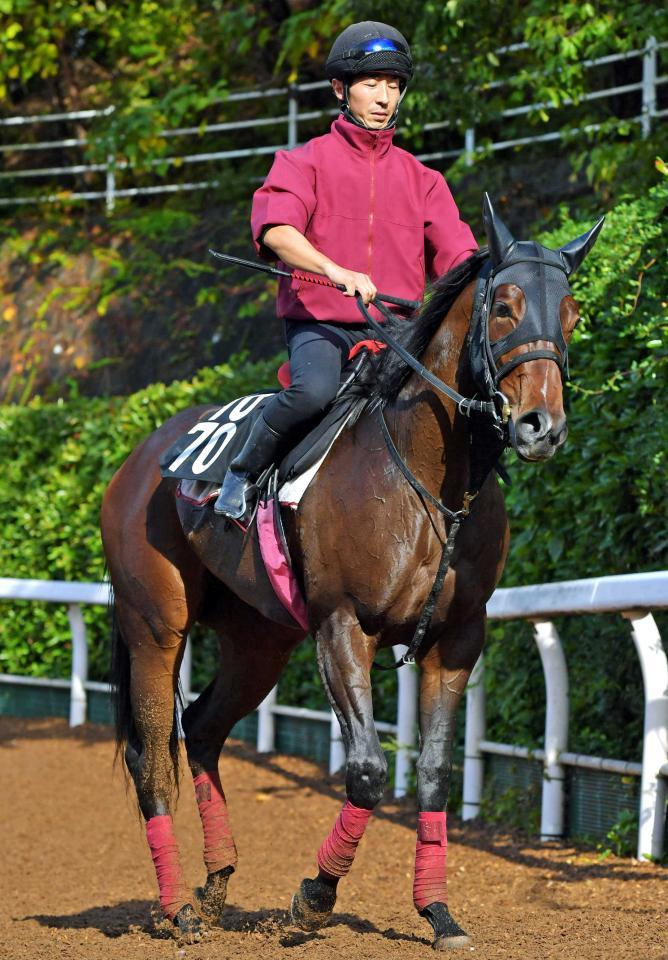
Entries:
{"x":371,"y":207}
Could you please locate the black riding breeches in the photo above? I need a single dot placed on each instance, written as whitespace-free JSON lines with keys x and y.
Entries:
{"x":318,"y":352}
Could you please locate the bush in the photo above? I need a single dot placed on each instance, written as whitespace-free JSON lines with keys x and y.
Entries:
{"x":57,"y":460}
{"x":598,"y":507}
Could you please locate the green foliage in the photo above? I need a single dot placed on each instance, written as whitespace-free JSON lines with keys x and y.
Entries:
{"x":79,"y":296}
{"x":391,"y":748}
{"x":159,"y":64}
{"x":516,"y":808}
{"x":598,"y":507}
{"x":173,"y":63}
{"x":57,"y":460}
{"x":622,"y":838}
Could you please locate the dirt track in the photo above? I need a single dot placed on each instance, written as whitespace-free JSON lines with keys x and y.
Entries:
{"x":77,"y":881}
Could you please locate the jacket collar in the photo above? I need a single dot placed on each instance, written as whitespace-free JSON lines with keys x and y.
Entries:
{"x":361,"y":140}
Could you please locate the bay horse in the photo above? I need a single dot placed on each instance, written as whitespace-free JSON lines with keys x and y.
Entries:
{"x":365,"y":542}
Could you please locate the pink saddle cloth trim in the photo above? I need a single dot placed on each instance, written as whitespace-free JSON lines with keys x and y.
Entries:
{"x":278,"y":566}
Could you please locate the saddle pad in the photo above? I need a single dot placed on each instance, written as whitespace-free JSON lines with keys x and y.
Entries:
{"x":290,"y":492}
{"x":272,"y":548}
{"x":278,"y":566}
{"x":204,"y":452}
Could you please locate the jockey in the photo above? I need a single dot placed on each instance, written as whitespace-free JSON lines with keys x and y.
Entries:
{"x":358,"y":210}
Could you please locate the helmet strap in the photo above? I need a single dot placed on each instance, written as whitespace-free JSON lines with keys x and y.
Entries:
{"x":349,"y":115}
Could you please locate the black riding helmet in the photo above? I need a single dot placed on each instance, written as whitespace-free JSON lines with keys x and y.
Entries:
{"x":369,"y":47}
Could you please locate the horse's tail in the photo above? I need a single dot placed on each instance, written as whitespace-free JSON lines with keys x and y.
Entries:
{"x":120,"y":677}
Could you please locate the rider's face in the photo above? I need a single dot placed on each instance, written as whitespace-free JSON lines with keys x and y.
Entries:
{"x":372,"y":99}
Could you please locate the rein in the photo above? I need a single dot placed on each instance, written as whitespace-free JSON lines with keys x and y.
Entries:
{"x":496,"y":408}
{"x":446,"y":554}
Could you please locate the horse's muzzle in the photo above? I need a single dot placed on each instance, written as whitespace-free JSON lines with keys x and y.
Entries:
{"x":538,"y":436}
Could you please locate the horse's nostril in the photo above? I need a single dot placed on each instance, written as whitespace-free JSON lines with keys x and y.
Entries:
{"x":533,"y":426}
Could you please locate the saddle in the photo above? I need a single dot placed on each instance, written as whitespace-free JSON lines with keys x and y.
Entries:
{"x":204,"y":453}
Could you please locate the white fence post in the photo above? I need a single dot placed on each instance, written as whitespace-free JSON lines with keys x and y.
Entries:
{"x":654,"y":666}
{"x":474,"y":763}
{"x":79,"y":665}
{"x":266,"y":723}
{"x":185,"y":673}
{"x":648,"y":86}
{"x":110,"y":185}
{"x":469,"y":145}
{"x":407,"y":705}
{"x":293,"y":113}
{"x":556,"y":729}
{"x":337,"y":751}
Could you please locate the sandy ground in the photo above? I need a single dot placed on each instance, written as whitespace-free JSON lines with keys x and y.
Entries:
{"x":77,"y":881}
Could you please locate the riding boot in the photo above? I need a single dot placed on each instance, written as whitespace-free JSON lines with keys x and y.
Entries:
{"x":255,"y":456}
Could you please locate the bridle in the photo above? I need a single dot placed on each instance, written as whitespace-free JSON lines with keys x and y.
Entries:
{"x":484,"y":354}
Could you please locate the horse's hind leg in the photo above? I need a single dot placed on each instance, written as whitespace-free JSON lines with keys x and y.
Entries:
{"x":444,"y":674}
{"x":151,"y":753}
{"x":253,"y":653}
{"x":345,"y":654}
{"x":158,"y":586}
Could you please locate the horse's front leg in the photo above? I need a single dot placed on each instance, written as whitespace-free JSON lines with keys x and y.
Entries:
{"x":345,"y":655}
{"x":444,"y":674}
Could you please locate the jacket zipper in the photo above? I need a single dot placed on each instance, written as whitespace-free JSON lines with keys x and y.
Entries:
{"x":372,"y":200}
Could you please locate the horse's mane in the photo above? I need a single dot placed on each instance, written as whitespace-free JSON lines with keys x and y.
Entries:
{"x":386,"y":374}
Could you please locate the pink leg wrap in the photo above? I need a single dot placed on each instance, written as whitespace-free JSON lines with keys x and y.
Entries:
{"x":337,"y":853}
{"x":219,"y":848}
{"x":161,"y":840}
{"x":429,"y":885}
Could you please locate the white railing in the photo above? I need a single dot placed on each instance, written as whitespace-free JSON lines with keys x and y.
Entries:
{"x":633,"y":595}
{"x":74,"y":594}
{"x":647,"y":113}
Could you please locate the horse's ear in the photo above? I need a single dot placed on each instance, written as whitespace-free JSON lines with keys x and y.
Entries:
{"x":574,"y":252}
{"x":499,"y":237}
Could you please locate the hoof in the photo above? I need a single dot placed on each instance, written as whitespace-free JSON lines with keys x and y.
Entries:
{"x":188,"y":924}
{"x":211,"y":897}
{"x":312,"y":905}
{"x":448,"y":934}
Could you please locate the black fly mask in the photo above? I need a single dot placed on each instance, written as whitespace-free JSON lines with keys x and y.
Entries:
{"x":542,"y":275}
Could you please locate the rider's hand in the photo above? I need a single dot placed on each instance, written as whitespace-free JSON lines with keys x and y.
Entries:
{"x":353,"y":282}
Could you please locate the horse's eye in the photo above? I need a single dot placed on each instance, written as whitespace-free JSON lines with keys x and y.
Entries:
{"x":502,"y":309}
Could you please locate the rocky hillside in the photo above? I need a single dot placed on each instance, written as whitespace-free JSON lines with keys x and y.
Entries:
{"x":96,"y":306}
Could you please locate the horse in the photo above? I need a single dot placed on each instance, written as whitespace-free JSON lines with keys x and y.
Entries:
{"x":366,"y":542}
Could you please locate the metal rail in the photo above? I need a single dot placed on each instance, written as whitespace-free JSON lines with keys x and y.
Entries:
{"x":647,"y":89}
{"x":633,"y":596}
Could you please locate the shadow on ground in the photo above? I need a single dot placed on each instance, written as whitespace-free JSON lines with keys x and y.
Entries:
{"x":143,"y":916}
{"x":113,"y":920}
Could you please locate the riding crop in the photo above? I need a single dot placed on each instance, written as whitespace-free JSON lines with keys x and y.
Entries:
{"x":308,"y":278}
